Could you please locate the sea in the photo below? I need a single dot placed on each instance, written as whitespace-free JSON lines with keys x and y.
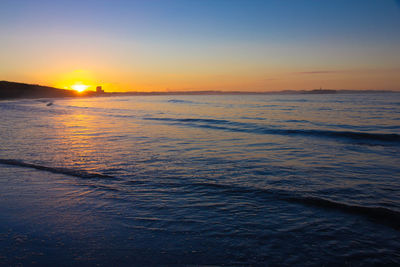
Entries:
{"x":201,"y":180}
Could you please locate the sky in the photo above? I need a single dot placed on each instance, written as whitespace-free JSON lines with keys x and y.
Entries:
{"x":186,"y":45}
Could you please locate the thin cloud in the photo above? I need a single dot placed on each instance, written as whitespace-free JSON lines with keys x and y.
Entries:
{"x":319,"y":72}
{"x":359,"y":71}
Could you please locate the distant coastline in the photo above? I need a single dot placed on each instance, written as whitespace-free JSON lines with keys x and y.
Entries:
{"x":15,"y":90}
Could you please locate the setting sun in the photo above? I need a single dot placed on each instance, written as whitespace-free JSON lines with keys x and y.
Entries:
{"x":79,"y":87}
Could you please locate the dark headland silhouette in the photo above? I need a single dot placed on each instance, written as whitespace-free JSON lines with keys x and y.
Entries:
{"x":14,"y":90}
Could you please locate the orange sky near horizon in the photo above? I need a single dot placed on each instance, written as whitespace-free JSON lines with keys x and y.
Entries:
{"x":245,"y":67}
{"x":239,"y":81}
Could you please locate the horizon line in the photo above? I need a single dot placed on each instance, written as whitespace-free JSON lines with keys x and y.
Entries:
{"x":217,"y":91}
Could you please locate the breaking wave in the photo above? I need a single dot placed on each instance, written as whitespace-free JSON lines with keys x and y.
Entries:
{"x":260,"y":129}
{"x":378,"y":214}
{"x":180,"y":101}
{"x":66,"y":171}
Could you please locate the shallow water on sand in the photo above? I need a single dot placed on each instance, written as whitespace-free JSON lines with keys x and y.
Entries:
{"x":219,"y":180}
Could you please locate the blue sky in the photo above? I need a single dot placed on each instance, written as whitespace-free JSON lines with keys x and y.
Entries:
{"x":182,"y":44}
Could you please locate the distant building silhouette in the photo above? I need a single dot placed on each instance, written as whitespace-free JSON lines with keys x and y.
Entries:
{"x":99,"y":90}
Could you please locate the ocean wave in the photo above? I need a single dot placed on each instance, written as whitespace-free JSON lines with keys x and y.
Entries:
{"x":227,"y":125}
{"x":378,"y":214}
{"x":66,"y":171}
{"x":293,"y":100}
{"x":214,"y":121}
{"x":180,"y":101}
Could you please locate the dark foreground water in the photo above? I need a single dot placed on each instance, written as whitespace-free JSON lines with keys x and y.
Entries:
{"x":201,"y":180}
